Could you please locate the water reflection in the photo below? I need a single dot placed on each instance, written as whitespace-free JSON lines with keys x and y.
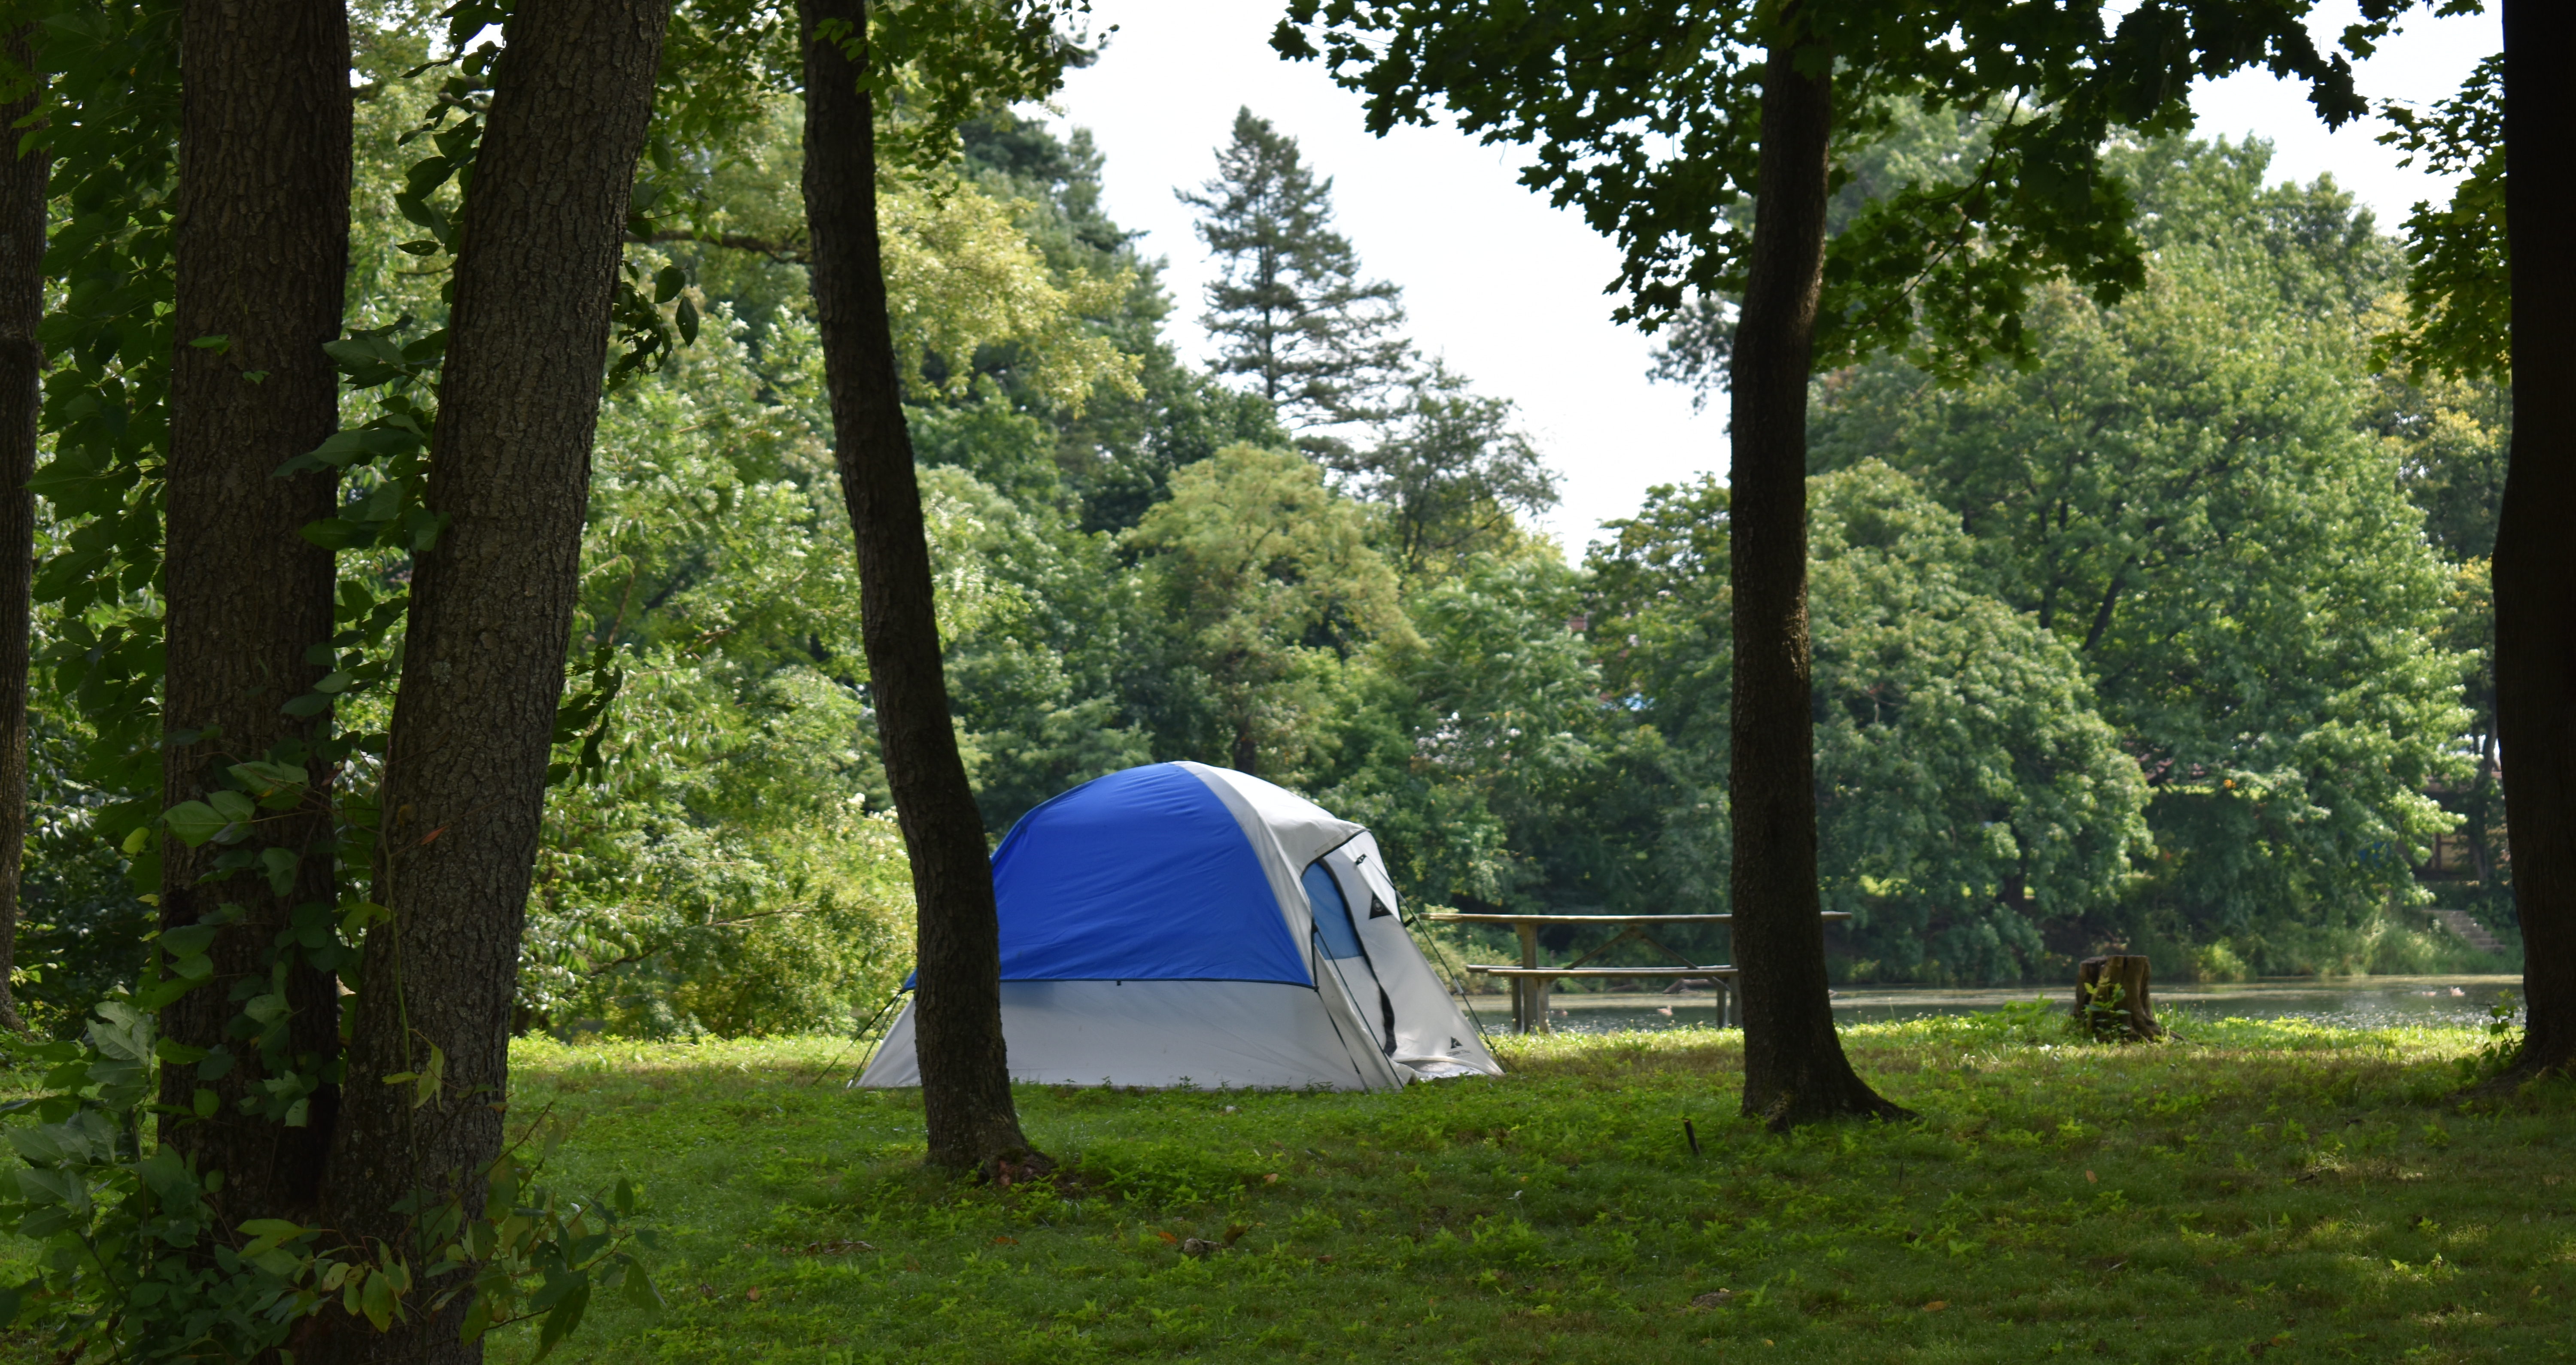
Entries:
{"x":2349,"y":1002}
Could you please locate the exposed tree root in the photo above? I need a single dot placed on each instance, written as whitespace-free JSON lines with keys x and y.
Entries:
{"x":1792,"y":1109}
{"x":1016,"y":1167}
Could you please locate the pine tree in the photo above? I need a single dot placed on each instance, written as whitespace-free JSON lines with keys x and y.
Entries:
{"x":1290,"y":309}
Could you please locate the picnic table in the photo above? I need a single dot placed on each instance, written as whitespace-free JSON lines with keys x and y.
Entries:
{"x":1532,"y":980}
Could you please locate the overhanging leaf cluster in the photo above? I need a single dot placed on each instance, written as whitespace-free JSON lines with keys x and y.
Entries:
{"x":1645,"y":117}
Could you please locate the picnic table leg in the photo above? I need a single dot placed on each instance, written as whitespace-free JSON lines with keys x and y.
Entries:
{"x":1529,"y":998}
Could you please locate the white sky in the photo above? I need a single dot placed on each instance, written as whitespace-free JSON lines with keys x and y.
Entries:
{"x":1509,"y":289}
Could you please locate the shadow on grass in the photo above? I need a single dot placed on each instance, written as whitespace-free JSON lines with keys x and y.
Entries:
{"x":2273,"y":1185}
{"x":2274,"y":1189}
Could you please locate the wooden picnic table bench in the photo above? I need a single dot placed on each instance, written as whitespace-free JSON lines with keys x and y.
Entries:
{"x":1532,"y":980}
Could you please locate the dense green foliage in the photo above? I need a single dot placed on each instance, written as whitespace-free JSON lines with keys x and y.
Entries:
{"x":2216,"y":712}
{"x":1968,"y":791}
{"x":111,"y":1214}
{"x":2169,"y":633}
{"x":2458,"y":296}
{"x":2183,"y":489}
{"x":1648,"y":119}
{"x":2273,"y":1184}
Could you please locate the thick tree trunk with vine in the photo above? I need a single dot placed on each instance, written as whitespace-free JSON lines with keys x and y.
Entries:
{"x":1794,"y":1068}
{"x":2535,"y":556}
{"x":491,"y":618}
{"x":262,"y":247}
{"x":957,"y":1004}
{"x":22,"y":366}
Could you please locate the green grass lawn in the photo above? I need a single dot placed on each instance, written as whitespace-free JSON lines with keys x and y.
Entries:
{"x":2266,"y":1189}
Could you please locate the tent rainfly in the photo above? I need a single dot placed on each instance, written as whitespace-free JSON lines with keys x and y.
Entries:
{"x":1181,"y":925}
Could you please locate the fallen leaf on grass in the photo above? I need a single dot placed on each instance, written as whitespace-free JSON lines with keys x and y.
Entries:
{"x":752,"y":1293}
{"x":1006,"y":1241}
{"x":2092,"y":1179}
{"x":1936,"y":1305}
{"x":1270,"y":1179}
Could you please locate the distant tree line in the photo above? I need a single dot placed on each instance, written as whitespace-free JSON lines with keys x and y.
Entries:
{"x":669,"y":487}
{"x":2139,"y":644}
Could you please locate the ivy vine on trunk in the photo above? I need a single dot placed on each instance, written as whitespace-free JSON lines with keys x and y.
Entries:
{"x":536,"y":273}
{"x":264,"y":147}
{"x":211,"y":412}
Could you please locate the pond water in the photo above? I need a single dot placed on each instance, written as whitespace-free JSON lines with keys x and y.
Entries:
{"x":2355,"y":1002}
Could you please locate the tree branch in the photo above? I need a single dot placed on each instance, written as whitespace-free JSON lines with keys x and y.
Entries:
{"x":2110,"y":598}
{"x":786,"y":252}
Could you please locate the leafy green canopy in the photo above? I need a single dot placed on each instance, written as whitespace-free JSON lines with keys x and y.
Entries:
{"x":1454,"y":472}
{"x":107,"y":339}
{"x":2459,"y":297}
{"x":1999,"y":789}
{"x":1968,"y":788}
{"x":1274,"y":590}
{"x":1646,"y":118}
{"x":2182,"y":489}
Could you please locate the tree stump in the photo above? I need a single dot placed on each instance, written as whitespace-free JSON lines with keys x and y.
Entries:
{"x":2111,"y":998}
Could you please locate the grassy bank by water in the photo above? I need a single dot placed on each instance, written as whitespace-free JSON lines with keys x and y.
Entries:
{"x":2269,"y":1189}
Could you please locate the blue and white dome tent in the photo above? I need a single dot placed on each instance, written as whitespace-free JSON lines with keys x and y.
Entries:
{"x":1182,"y":925}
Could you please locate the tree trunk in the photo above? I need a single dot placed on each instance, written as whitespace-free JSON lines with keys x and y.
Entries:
{"x":2535,"y":556}
{"x":491,"y":617}
{"x":957,"y":1003}
{"x":2112,"y":998}
{"x":1794,"y":1068}
{"x":22,"y":364}
{"x":262,"y":249}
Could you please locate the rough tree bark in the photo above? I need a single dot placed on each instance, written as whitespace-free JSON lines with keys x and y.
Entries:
{"x":262,"y":246}
{"x":491,"y":618}
{"x":1794,"y":1068}
{"x":957,"y":1004}
{"x":22,"y":365}
{"x":2114,"y":997}
{"x":2535,"y":556}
